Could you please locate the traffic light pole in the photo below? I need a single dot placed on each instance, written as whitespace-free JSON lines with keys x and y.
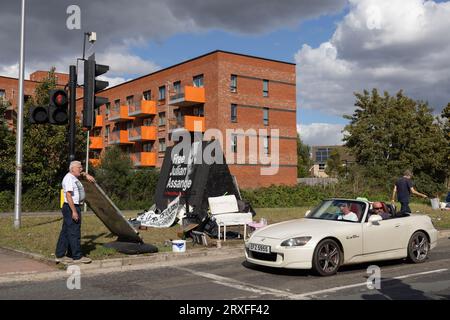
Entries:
{"x":72,"y":110}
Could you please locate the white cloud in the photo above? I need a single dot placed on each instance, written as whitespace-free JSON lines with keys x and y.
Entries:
{"x":321,"y":134}
{"x":122,"y":62}
{"x":389,"y":45}
{"x":10,"y":70}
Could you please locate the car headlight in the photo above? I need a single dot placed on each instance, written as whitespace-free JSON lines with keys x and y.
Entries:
{"x":295,"y":242}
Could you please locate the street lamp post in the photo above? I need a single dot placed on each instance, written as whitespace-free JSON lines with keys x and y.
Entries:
{"x":19,"y":129}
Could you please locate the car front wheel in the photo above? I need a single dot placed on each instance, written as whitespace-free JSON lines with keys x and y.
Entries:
{"x":327,"y":258}
{"x":418,"y":247}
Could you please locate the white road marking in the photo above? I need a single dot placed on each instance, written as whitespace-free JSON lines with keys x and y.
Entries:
{"x":235,"y":284}
{"x":239,"y":285}
{"x":335,"y":289}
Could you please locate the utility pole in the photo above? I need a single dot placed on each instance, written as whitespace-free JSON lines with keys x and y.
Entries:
{"x":19,"y":129}
{"x":72,"y":110}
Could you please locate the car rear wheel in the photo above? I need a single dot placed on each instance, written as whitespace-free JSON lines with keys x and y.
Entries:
{"x":418,"y":247}
{"x":327,"y":258}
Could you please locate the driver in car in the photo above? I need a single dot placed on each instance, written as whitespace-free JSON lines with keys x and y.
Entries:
{"x":378,"y":209}
{"x":346,"y":213}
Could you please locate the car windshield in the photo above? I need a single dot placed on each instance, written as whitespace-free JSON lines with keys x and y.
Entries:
{"x":339,"y":210}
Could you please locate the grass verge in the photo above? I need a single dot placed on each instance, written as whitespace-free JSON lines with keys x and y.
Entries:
{"x":39,"y":234}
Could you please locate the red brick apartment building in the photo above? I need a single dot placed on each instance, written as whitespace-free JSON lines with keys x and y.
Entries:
{"x":219,"y":90}
{"x":9,"y":91}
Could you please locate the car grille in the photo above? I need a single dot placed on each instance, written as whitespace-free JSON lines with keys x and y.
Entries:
{"x":262,"y":256}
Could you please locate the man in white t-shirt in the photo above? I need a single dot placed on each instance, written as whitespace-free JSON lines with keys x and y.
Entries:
{"x":347,"y":214}
{"x":69,"y":242}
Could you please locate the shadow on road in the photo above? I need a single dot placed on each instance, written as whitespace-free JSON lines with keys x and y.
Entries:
{"x":342,"y":270}
{"x":277,"y":271}
{"x":395,"y":289}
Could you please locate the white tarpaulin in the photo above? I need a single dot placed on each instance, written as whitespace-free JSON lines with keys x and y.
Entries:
{"x":165,"y":219}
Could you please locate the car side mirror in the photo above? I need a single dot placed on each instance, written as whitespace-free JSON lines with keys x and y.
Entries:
{"x":307,"y":213}
{"x":375,"y":219}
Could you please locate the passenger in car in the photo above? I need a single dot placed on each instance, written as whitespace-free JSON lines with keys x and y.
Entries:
{"x":379,"y":209}
{"x":347,"y":214}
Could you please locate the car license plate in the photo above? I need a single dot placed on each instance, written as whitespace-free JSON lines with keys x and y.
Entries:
{"x":259,"y":248}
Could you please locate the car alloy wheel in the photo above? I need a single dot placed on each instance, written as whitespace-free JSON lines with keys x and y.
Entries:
{"x":418,"y":247}
{"x":327,"y":258}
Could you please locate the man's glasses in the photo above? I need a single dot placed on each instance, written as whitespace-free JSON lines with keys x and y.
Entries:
{"x":378,"y":208}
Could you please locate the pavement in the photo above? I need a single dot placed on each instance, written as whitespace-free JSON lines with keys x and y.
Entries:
{"x":17,"y":265}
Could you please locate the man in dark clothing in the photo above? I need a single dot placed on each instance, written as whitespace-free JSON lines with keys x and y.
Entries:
{"x":403,"y":188}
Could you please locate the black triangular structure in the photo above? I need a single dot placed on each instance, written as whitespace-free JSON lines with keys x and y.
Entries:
{"x":195,"y":182}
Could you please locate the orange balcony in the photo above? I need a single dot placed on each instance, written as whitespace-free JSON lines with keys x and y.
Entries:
{"x":98,"y":121}
{"x":194,"y":124}
{"x":119,"y":137}
{"x":144,"y":133}
{"x":95,"y":142}
{"x":145,"y":108}
{"x":94,"y":162}
{"x":190,"y":97}
{"x":119,"y":114}
{"x":144,"y":159}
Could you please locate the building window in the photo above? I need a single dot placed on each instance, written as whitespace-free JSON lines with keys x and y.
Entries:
{"x":266,"y":116}
{"x":198,"y":111}
{"x":2,"y":94}
{"x":147,"y":122}
{"x":107,"y":132}
{"x":233,"y":113}
{"x":117,"y":104}
{"x":265,"y":88}
{"x":266,"y":145}
{"x":130,"y":101}
{"x":162,"y":93}
{"x":147,"y":146}
{"x":108,"y":106}
{"x":233,"y":143}
{"x":147,"y":95}
{"x":198,"y":81}
{"x":233,"y":84}
{"x":129,"y":125}
{"x":162,"y":118}
{"x":162,"y":145}
{"x":177,"y":87}
{"x":322,"y":155}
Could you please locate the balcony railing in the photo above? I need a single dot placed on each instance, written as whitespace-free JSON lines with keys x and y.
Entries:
{"x":143,"y":133}
{"x":144,"y":159}
{"x":190,"y":96}
{"x":94,"y":162}
{"x":119,"y":137}
{"x":119,"y":113}
{"x":142,"y":109}
{"x":98,"y":121}
{"x":95,"y":142}
{"x":190,"y":123}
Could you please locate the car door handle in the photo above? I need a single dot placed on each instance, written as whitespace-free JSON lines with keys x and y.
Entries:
{"x":397,"y":225}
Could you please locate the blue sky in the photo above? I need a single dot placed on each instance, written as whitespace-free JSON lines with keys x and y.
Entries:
{"x":280,"y":44}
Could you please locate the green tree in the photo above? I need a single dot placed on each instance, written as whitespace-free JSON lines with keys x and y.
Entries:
{"x":303,"y":158}
{"x":46,"y":153}
{"x":390,"y":133}
{"x":114,"y":173}
{"x":333,"y":166}
{"x":7,"y":150}
{"x":445,"y":116}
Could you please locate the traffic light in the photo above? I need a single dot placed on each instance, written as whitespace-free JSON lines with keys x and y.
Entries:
{"x":55,"y":113}
{"x":91,"y":87}
{"x":38,"y":114}
{"x":58,"y":107}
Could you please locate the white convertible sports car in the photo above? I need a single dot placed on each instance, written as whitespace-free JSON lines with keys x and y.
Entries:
{"x":324,"y":240}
